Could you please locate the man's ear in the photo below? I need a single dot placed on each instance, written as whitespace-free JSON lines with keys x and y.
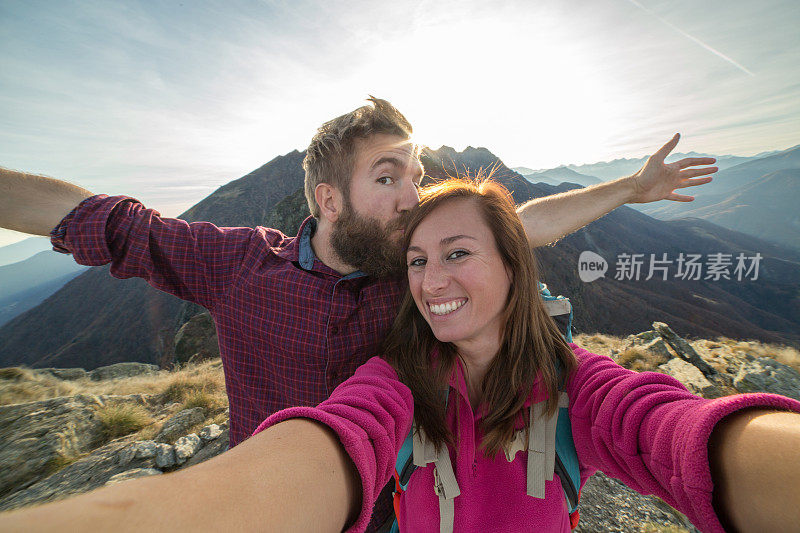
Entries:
{"x":330,"y":201}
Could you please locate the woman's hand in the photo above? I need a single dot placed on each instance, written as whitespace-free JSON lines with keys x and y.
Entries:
{"x":657,"y":180}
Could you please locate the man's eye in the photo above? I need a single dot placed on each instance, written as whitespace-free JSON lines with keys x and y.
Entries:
{"x":457,"y":254}
{"x":417,"y":262}
{"x":385,"y":180}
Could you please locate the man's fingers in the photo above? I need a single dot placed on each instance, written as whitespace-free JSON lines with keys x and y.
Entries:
{"x":680,"y":197}
{"x":693,"y":161}
{"x":664,"y":151}
{"x":693,"y":182}
{"x":694,"y":172}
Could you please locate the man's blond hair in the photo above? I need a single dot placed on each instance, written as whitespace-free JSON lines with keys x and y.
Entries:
{"x":331,"y":155}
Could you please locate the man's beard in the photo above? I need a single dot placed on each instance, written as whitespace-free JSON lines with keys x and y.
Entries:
{"x":367,"y":244}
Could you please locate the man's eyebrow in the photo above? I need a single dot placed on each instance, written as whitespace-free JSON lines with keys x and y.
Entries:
{"x":387,"y":159}
{"x":446,"y":240}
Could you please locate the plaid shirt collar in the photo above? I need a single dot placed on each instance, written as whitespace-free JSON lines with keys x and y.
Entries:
{"x":300,"y":251}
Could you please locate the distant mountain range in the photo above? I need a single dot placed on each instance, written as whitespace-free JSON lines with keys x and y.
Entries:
{"x":96,"y":320}
{"x":617,"y":168}
{"x":756,"y":195}
{"x":19,"y":251}
{"x":25,"y":284}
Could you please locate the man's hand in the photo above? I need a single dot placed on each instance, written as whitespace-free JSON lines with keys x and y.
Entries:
{"x":657,"y":180}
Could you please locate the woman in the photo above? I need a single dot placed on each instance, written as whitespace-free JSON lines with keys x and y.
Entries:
{"x":471,"y":352}
{"x":476,"y":348}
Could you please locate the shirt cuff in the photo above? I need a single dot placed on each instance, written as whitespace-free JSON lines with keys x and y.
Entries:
{"x":82,"y":232}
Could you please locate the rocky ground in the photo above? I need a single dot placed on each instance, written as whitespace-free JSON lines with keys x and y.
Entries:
{"x":67,"y":431}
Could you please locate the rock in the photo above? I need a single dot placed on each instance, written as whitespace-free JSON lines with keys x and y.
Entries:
{"x":658,"y":347}
{"x":83,"y":475}
{"x":684,"y":349}
{"x":165,"y":456}
{"x":690,"y":376}
{"x":145,"y":449}
{"x":643,"y":337}
{"x":187,"y":446}
{"x":132,"y":474}
{"x":126,"y":455}
{"x":36,"y":436}
{"x":210,"y":432}
{"x":64,"y":373}
{"x":122,"y":370}
{"x":179,"y":423}
{"x":197,"y":339}
{"x":763,"y":374}
{"x":608,"y":505}
{"x":212,"y":449}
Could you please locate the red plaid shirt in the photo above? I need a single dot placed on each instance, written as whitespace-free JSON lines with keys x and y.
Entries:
{"x":290,"y":328}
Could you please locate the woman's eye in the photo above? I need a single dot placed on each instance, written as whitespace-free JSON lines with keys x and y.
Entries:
{"x":385,"y":180}
{"x":457,"y":254}
{"x":417,"y":262}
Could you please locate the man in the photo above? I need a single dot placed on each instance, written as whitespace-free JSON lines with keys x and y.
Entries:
{"x":296,"y":316}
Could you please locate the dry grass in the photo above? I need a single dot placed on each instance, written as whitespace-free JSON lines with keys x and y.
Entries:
{"x":202,"y":384}
{"x":122,"y":419}
{"x":19,"y":385}
{"x":725,"y":348}
{"x":640,"y":360}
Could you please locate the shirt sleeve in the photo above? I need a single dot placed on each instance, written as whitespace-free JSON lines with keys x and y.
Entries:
{"x":372,"y":414}
{"x":648,"y":431}
{"x":196,"y":262}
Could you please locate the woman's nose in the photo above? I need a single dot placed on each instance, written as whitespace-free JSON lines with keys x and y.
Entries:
{"x":435,"y":279}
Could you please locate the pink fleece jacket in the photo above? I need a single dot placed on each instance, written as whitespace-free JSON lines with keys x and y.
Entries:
{"x":644,"y":429}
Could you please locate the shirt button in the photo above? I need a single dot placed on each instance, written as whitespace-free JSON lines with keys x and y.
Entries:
{"x":333,"y":330}
{"x":474,"y":469}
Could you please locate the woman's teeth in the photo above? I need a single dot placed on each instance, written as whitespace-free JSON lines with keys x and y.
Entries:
{"x":449,"y":307}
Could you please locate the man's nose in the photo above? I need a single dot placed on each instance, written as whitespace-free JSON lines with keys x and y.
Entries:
{"x":409,"y":196}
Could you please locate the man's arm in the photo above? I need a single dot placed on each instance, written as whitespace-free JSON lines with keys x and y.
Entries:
{"x":35,"y":204}
{"x":294,"y":476}
{"x":552,"y":217}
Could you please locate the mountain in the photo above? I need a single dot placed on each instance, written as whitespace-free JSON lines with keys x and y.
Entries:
{"x":766,"y":208}
{"x":759,"y":197}
{"x":562,"y":174}
{"x":25,"y":284}
{"x":96,"y":320}
{"x":19,"y":251}
{"x":608,"y":170}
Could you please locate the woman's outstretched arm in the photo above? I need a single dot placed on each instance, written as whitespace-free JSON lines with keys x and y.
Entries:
{"x":271,"y":482}
{"x":755,"y":464}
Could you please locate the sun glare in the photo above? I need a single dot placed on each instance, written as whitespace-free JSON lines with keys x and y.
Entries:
{"x":460,"y":85}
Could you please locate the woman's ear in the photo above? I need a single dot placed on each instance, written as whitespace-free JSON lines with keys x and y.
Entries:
{"x":330,"y":201}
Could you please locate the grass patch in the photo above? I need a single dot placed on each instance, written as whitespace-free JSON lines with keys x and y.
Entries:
{"x":209,"y":401}
{"x":20,"y":385}
{"x":61,"y":461}
{"x":122,"y":419}
{"x":640,"y":360}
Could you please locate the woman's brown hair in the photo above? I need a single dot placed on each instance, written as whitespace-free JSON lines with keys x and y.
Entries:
{"x":531,"y":343}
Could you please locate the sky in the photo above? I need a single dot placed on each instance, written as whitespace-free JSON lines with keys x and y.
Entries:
{"x":166,"y":101}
